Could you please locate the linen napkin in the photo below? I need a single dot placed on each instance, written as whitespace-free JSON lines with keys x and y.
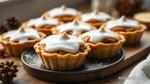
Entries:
{"x":140,"y":73}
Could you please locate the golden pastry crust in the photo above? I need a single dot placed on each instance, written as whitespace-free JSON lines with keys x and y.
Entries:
{"x":14,"y":48}
{"x":63,"y":18}
{"x":55,"y":61}
{"x":132,"y":36}
{"x":105,"y":49}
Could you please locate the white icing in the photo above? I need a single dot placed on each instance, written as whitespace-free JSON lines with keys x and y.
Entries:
{"x":122,"y":22}
{"x":100,"y":16}
{"x":62,"y":42}
{"x":39,"y":22}
{"x":98,"y":35}
{"x":75,"y":27}
{"x":22,"y":35}
{"x":62,"y":11}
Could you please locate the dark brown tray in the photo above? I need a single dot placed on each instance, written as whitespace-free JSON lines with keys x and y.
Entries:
{"x":91,"y":69}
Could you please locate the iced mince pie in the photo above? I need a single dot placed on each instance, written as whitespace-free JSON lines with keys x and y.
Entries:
{"x":103,"y":43}
{"x":63,"y":13}
{"x":131,"y":29}
{"x":95,"y":18}
{"x":42,"y":24}
{"x":16,"y":41}
{"x":62,"y":52}
{"x":73,"y":28}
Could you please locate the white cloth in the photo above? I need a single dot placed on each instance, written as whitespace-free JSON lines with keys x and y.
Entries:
{"x":140,"y":73}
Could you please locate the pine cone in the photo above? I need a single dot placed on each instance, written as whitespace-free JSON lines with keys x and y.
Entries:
{"x":7,"y":71}
{"x":12,"y":23}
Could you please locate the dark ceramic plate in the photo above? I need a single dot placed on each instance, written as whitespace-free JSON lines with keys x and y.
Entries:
{"x":91,"y":69}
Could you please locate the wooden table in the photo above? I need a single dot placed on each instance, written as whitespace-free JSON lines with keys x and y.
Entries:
{"x":140,"y":50}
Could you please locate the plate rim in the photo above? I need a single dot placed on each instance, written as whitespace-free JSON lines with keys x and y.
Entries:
{"x":73,"y":72}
